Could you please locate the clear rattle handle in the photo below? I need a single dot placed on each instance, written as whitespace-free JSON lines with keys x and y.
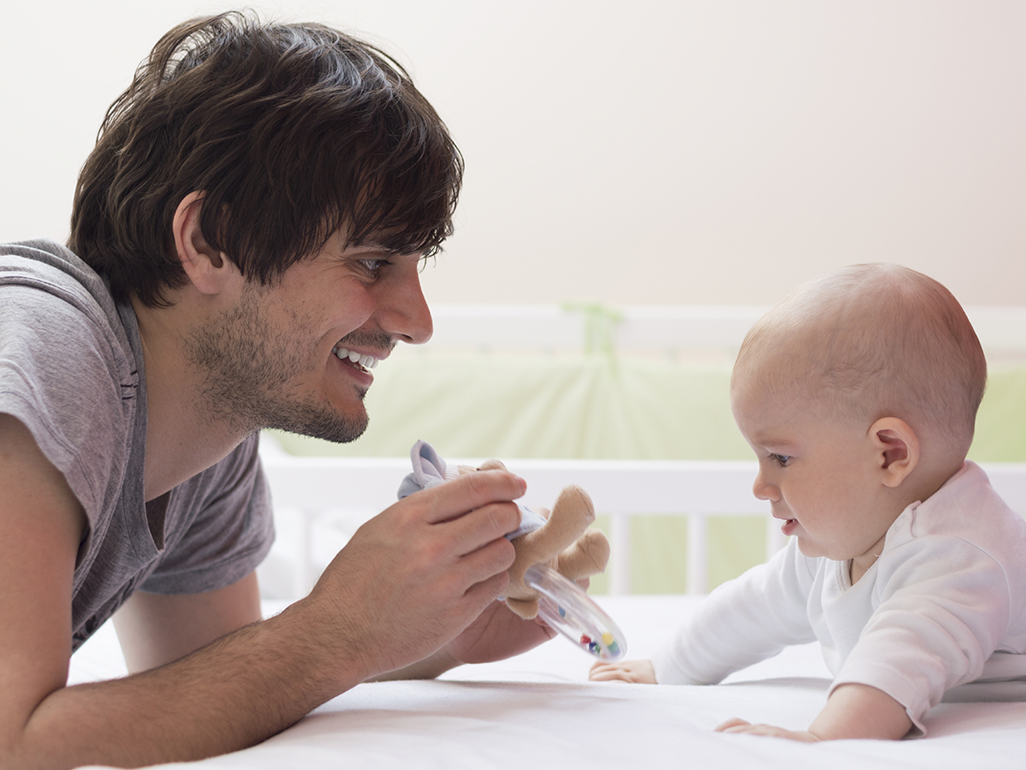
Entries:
{"x":567,"y":609}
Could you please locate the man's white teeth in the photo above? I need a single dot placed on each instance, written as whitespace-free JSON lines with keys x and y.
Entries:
{"x":367,"y":362}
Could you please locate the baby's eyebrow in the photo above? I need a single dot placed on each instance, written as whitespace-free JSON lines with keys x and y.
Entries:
{"x":769,"y":441}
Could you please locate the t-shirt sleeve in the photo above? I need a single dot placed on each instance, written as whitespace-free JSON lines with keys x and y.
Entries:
{"x":61,"y":376}
{"x":742,"y":622}
{"x":221,"y":526}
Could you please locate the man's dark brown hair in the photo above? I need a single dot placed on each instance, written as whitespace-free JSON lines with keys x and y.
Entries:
{"x":291,"y":131}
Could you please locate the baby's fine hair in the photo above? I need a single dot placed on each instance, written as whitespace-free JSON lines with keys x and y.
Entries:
{"x":877,"y":340}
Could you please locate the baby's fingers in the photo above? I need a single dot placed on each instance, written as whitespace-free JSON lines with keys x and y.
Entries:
{"x":741,"y":726}
{"x":632,"y":671}
{"x":603,"y":672}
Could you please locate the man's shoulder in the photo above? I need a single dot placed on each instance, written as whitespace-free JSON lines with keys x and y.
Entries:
{"x":34,"y":255}
{"x":51,"y":267}
{"x":42,"y":279}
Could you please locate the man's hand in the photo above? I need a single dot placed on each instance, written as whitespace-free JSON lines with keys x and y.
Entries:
{"x":497,"y":634}
{"x":422,"y":572}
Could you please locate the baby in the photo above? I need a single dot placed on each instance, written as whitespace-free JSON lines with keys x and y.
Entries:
{"x":858,"y":394}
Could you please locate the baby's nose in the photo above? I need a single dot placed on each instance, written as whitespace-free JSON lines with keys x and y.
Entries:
{"x":764,"y":490}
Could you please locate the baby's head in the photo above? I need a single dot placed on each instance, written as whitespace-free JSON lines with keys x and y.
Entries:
{"x":871,"y":341}
{"x":866,"y":381}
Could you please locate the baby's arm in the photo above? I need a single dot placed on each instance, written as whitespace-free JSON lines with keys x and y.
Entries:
{"x":633,"y":671}
{"x":730,"y":630}
{"x":852,"y":711}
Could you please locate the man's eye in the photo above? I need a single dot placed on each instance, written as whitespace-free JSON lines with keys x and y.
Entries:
{"x":782,"y":460}
{"x":373,"y":266}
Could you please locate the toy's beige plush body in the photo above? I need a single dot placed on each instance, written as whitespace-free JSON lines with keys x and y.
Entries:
{"x":564,"y":543}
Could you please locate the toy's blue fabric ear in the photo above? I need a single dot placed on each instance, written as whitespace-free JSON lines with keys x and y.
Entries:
{"x":529,"y":522}
{"x":429,"y":471}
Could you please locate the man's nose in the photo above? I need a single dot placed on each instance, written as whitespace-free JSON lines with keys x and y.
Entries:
{"x":405,"y":315}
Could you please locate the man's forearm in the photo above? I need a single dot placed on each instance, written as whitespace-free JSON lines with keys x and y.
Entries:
{"x":407,"y":583}
{"x":229,"y":695}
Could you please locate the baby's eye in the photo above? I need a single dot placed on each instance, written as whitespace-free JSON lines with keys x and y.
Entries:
{"x":781,"y":460}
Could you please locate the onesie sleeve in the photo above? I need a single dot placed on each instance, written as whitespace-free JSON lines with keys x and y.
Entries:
{"x":943,"y":605}
{"x":742,"y":622}
{"x":219,"y":526}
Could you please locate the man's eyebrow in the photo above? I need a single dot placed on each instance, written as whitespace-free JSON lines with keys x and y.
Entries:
{"x":355,"y":250}
{"x":383,"y":249}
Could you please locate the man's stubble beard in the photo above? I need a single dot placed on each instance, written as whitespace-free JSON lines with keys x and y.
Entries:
{"x":247,"y":371}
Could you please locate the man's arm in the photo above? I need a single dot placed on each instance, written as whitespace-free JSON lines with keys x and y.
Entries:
{"x":155,"y":629}
{"x":41,"y":525}
{"x":408,"y":582}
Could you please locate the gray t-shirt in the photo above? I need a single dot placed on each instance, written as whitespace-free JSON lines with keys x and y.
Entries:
{"x":71,"y":369}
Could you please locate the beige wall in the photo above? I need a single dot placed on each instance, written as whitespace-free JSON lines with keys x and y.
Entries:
{"x":634,"y":152}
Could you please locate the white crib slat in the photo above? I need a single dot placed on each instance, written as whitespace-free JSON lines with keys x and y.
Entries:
{"x":620,"y":557}
{"x":698,"y":566}
{"x":306,"y":572}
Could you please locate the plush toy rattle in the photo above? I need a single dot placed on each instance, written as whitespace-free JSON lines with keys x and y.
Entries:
{"x":550,"y":554}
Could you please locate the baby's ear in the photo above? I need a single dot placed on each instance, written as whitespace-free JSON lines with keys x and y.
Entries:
{"x":896,"y":448}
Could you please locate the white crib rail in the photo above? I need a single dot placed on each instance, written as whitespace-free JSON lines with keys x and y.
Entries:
{"x":351,"y":490}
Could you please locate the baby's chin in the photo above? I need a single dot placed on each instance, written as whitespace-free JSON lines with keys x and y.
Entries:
{"x":814,"y":550}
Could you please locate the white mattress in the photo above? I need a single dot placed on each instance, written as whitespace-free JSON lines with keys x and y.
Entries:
{"x":539,"y":711}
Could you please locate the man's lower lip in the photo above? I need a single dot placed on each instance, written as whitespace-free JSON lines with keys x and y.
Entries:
{"x":355,"y":368}
{"x":789,"y":527}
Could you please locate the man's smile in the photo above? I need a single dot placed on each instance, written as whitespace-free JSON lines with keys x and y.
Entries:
{"x":362,"y":360}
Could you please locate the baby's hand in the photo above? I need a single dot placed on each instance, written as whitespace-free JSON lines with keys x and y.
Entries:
{"x":741,"y":726}
{"x":634,"y":671}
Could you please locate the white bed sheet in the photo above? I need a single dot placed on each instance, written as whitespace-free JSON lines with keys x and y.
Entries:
{"x":539,"y":711}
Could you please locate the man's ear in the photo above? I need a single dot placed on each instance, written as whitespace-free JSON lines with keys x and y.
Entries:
{"x":206,"y":267}
{"x":896,"y":449}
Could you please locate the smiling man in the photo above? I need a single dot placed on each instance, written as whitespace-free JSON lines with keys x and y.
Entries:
{"x":245,"y":248}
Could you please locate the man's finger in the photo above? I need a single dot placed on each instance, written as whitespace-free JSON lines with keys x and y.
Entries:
{"x":481,"y":526}
{"x":490,"y":559}
{"x":455,"y":498}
